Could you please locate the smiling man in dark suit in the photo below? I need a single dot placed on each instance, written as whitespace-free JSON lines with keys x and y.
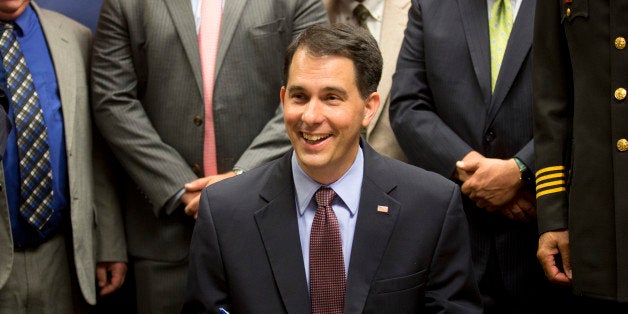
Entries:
{"x":332,"y":226}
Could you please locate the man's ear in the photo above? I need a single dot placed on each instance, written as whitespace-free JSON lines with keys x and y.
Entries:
{"x":282,"y":94}
{"x":370,"y":108}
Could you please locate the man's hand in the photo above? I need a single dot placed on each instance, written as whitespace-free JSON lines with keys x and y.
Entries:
{"x":554,"y":245}
{"x":470,"y":158}
{"x":110,"y":276}
{"x":521,"y":208}
{"x":494,"y":181}
{"x":192,"y":194}
{"x":190,"y":200}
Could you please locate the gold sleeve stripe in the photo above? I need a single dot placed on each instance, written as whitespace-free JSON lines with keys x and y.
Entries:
{"x":551,"y":191}
{"x":548,"y":169}
{"x":548,"y":184}
{"x":549,"y":176}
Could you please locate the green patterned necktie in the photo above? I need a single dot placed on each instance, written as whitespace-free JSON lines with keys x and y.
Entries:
{"x":361,"y":14}
{"x":499,"y":25}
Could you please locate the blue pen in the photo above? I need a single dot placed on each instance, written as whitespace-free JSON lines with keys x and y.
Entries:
{"x":222,"y":311}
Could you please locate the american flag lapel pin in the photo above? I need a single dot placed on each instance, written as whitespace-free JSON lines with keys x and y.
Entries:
{"x":382,"y":209}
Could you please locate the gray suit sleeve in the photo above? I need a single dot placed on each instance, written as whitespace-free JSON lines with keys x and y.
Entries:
{"x":273,"y":141}
{"x":110,"y":237}
{"x":157,"y":168}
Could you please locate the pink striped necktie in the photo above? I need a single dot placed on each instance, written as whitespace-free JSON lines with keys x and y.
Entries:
{"x":211,"y":15}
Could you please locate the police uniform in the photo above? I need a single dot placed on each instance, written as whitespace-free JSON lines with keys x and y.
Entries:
{"x":580,"y":135}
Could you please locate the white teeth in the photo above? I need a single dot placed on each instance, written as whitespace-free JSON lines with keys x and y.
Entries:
{"x":314,"y":138}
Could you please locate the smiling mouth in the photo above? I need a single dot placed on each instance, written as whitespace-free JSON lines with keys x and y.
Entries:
{"x":313,"y":139}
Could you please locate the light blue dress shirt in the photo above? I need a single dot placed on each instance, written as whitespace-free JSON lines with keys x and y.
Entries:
{"x":345,"y":205}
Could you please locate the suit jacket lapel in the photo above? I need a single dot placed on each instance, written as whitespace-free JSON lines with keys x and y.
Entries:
{"x":230,"y":19}
{"x":393,"y":24}
{"x":474,"y":17}
{"x":66,"y":80}
{"x":372,"y":231}
{"x":183,"y":20}
{"x":519,"y":45}
{"x":277,"y":223}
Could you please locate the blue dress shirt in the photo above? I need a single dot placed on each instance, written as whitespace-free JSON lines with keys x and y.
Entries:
{"x":33,"y":44}
{"x":345,"y":205}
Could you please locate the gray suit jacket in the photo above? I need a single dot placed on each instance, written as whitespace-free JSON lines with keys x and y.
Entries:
{"x":379,"y":134}
{"x":442,"y":108}
{"x":148,"y":101}
{"x":97,"y":230}
{"x":246,"y":254}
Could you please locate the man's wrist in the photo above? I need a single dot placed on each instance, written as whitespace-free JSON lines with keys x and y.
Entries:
{"x":526,"y":174}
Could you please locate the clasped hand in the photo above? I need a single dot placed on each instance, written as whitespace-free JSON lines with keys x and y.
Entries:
{"x":495,"y":185}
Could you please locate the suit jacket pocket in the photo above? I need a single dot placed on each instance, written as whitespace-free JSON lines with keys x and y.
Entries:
{"x":571,"y":10}
{"x":400,"y":283}
{"x":275,"y":27}
{"x":397,"y":295}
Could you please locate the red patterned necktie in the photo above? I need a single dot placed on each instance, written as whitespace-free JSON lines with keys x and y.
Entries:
{"x":327,"y":270}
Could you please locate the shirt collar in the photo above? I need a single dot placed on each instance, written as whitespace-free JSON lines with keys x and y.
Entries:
{"x":348,"y":187}
{"x":25,"y":22}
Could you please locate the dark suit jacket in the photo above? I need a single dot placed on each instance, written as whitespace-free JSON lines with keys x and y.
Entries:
{"x":442,"y":108}
{"x":578,"y":125}
{"x":246,"y":253}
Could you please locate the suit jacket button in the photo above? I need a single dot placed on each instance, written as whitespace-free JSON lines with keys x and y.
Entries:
{"x":198,"y":120}
{"x":197,"y":169}
{"x":620,"y":43}
{"x":490,"y":136}
{"x":620,"y":93}
{"x":622,"y":145}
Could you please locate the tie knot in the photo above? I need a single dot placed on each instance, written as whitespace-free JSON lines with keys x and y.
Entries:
{"x":6,"y":25}
{"x":6,"y":30}
{"x":361,"y":13}
{"x":324,"y":196}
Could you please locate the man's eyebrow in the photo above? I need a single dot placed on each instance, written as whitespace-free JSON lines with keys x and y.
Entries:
{"x":295,"y":88}
{"x":338,"y":90}
{"x":298,"y":88}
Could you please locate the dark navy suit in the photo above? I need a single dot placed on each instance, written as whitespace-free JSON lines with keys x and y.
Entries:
{"x":442,"y":108}
{"x":246,"y":253}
